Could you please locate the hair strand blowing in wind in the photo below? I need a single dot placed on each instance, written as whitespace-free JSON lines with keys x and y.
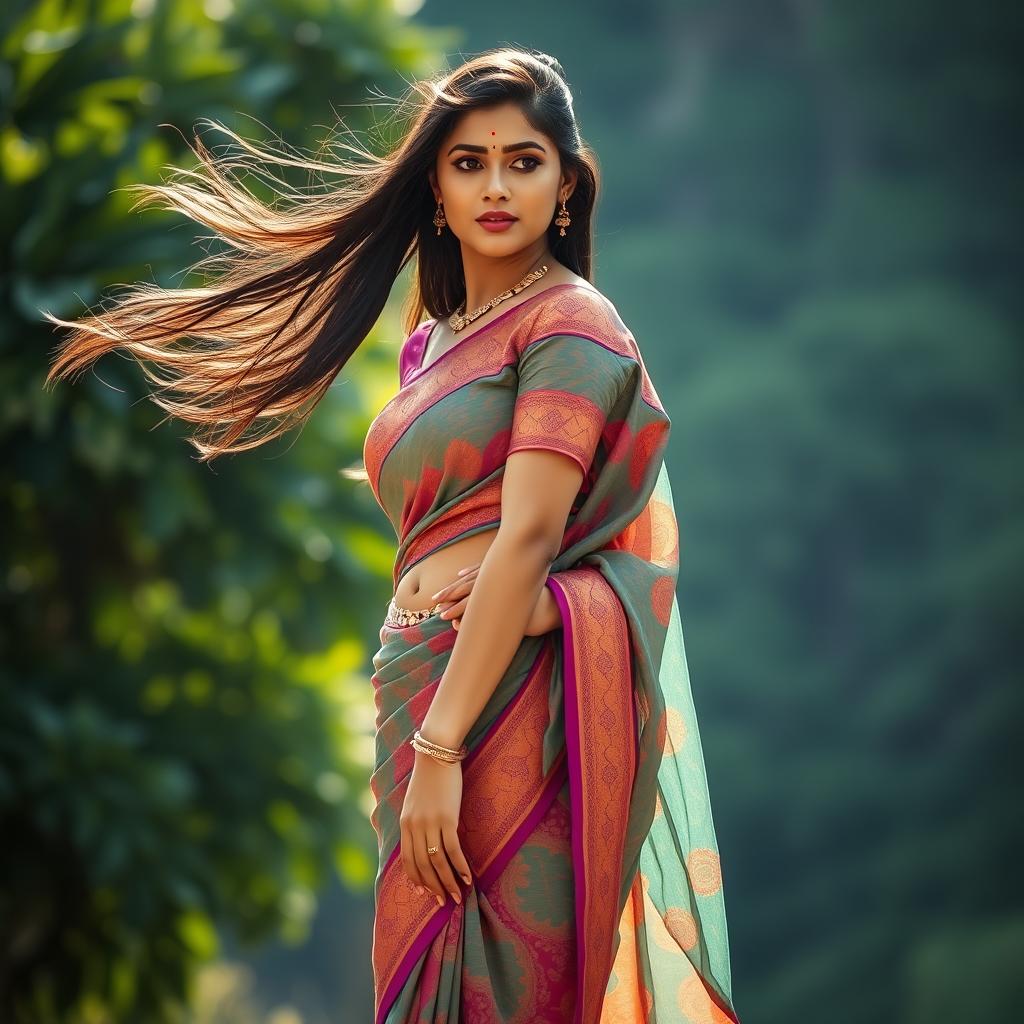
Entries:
{"x":302,"y":279}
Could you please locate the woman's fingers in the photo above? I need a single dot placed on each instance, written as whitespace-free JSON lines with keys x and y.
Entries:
{"x":455,"y":610}
{"x":455,"y":854}
{"x":408,"y":860}
{"x":425,"y":868}
{"x":465,"y":574}
{"x":457,"y":589}
{"x":441,"y":865}
{"x":429,"y":865}
{"x":420,"y":869}
{"x":455,"y":596}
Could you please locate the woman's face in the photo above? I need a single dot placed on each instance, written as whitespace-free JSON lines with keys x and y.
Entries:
{"x":473,"y":175}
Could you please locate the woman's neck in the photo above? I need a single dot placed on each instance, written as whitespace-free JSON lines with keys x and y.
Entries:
{"x":485,"y":279}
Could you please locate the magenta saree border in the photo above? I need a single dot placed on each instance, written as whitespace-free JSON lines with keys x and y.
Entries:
{"x":580,"y":806}
{"x":572,"y":744}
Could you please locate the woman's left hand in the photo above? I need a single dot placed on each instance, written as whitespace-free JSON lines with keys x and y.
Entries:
{"x":429,"y":818}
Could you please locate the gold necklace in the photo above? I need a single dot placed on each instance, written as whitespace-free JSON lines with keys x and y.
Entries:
{"x":457,"y":321}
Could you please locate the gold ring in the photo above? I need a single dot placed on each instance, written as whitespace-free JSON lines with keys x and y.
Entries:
{"x":431,"y":850}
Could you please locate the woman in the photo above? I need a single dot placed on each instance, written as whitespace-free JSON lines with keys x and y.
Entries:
{"x":547,"y":850}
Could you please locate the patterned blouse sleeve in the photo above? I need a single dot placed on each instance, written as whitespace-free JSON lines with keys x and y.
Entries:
{"x":568,"y":387}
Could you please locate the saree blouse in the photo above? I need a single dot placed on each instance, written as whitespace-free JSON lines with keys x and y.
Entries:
{"x":537,"y":376}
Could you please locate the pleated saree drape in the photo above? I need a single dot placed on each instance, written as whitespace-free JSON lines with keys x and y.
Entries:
{"x":597,"y":886}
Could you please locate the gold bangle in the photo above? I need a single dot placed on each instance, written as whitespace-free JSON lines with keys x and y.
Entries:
{"x":436,"y":756}
{"x":460,"y":751}
{"x":440,"y":753}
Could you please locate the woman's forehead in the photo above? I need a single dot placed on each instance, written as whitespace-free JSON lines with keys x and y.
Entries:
{"x":492,"y":121}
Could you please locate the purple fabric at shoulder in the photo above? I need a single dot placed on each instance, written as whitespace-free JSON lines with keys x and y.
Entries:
{"x":412,"y":349}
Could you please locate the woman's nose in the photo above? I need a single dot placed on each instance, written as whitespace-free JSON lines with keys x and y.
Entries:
{"x":495,"y":185}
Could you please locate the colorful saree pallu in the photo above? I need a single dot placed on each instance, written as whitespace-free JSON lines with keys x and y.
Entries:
{"x":597,"y":886}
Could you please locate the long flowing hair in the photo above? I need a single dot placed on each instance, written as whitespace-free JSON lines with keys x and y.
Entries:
{"x":302,"y":280}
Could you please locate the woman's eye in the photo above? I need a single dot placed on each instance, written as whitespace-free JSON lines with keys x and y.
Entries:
{"x":536,"y":162}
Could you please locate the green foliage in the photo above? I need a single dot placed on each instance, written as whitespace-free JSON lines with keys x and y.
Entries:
{"x":186,"y":720}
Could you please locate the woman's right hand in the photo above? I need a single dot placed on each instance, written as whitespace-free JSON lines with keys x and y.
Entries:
{"x":453,"y":599}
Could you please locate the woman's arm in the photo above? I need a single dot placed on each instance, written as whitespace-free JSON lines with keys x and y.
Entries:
{"x":568,"y":387}
{"x":537,"y":492}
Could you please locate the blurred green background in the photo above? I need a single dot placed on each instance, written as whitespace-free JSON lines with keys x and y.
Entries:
{"x":810,"y":221}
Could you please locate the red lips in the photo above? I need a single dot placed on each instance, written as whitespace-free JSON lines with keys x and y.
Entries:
{"x":496,"y":215}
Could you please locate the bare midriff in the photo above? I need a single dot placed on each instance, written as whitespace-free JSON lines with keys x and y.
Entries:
{"x":417,"y":587}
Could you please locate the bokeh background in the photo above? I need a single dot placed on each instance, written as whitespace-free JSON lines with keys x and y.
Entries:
{"x":811,"y":222}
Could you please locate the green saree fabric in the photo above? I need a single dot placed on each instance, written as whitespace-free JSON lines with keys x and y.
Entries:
{"x":597,"y":893}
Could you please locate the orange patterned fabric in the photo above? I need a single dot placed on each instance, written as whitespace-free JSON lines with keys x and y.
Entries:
{"x":601,"y":715}
{"x":552,"y":420}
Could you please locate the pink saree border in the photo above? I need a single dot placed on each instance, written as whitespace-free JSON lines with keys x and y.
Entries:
{"x":593,"y":621}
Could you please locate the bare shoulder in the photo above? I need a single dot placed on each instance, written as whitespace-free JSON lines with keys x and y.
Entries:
{"x":588,"y":296}
{"x":583,"y":290}
{"x":587,"y":288}
{"x":563,"y":275}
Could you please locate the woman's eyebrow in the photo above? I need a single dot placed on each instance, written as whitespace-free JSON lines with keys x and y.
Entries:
{"x":528,"y":144}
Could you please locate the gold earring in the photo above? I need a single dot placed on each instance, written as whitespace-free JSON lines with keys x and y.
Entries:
{"x":439,"y":218}
{"x":562,"y":220}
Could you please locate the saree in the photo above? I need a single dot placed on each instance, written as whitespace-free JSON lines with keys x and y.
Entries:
{"x":596,"y":893}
